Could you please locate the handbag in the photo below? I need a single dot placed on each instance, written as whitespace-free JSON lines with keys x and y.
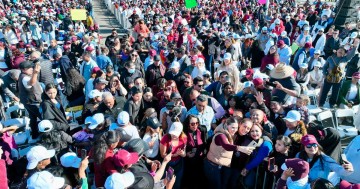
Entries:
{"x":335,"y":75}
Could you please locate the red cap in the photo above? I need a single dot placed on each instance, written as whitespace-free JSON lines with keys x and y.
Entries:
{"x":249,"y":72}
{"x":152,"y":53}
{"x":258,"y":81}
{"x":308,"y":45}
{"x":356,"y":75}
{"x":280,"y":43}
{"x":95,"y":69}
{"x":123,"y":157}
{"x":346,"y":185}
{"x":308,"y":139}
{"x":89,"y":48}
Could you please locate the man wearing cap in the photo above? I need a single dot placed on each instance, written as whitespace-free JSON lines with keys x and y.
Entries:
{"x":9,"y":86}
{"x":350,"y":92}
{"x":284,"y":51}
{"x":301,"y":56}
{"x":319,"y":40}
{"x":209,"y":42}
{"x":45,"y":75}
{"x":284,"y":36}
{"x":166,"y":113}
{"x":123,"y":121}
{"x":322,"y":23}
{"x":263,"y":38}
{"x":87,"y":65}
{"x":100,"y":84}
{"x":175,"y":74}
{"x":155,"y":71}
{"x":30,"y":92}
{"x":340,"y":59}
{"x":288,"y":25}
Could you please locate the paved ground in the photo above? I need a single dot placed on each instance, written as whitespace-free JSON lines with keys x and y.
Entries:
{"x":104,"y":18}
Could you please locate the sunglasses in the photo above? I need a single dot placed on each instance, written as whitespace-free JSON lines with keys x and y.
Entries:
{"x":200,"y":85}
{"x":312,"y":145}
{"x":134,"y":55}
{"x":186,"y":81}
{"x":195,"y":123}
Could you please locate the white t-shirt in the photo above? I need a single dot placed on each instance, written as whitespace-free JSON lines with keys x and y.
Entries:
{"x":132,"y":131}
{"x":352,"y":93}
{"x":25,"y":82}
{"x":152,"y":152}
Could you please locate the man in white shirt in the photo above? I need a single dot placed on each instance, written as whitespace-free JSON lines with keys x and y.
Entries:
{"x":284,"y":51}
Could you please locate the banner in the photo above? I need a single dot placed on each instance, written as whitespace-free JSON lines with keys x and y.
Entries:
{"x":78,"y":14}
{"x":190,"y":4}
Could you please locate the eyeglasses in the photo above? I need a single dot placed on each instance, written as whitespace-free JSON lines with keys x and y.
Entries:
{"x":134,"y":55}
{"x":194,"y":123}
{"x":200,"y":86}
{"x":312,"y":145}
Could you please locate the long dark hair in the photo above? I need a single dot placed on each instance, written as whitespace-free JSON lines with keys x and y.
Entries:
{"x":318,"y":156}
{"x":187,"y":122}
{"x":102,"y":145}
{"x":74,"y":78}
{"x":47,"y":88}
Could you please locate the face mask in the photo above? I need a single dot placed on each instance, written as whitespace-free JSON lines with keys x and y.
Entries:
{"x":131,"y":70}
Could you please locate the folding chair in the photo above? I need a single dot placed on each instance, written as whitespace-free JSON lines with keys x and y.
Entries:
{"x":313,"y":109}
{"x":355,"y":109}
{"x":348,"y":130}
{"x":322,"y":116}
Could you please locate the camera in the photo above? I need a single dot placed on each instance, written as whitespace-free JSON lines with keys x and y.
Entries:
{"x":272,"y":84}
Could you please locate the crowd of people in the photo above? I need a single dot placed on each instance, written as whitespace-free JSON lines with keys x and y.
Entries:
{"x":216,"y":96}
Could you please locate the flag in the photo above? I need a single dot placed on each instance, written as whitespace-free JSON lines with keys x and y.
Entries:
{"x":190,"y":4}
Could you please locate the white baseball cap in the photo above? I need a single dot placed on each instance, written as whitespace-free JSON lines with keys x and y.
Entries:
{"x":37,"y":154}
{"x":353,"y":35}
{"x":306,"y":29}
{"x":94,"y":120}
{"x":119,"y":181}
{"x":175,"y":64}
{"x":293,"y":116}
{"x":317,"y":52}
{"x":317,"y":64}
{"x":176,"y":128}
{"x":248,"y":84}
{"x":45,"y":126}
{"x":303,"y":65}
{"x":227,"y":56}
{"x":277,"y":21}
{"x":45,"y":180}
{"x":264,"y":28}
{"x":123,"y":118}
{"x":94,"y":93}
{"x":200,"y":60}
{"x":70,"y":159}
{"x":283,"y":34}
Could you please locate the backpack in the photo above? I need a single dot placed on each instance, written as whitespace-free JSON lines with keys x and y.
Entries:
{"x":335,"y":75}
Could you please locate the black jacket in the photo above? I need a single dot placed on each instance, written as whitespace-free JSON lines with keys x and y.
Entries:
{"x":55,"y":115}
{"x":115,"y":110}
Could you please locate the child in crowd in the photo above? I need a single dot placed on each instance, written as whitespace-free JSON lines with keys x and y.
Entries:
{"x":281,"y":153}
{"x":301,"y":105}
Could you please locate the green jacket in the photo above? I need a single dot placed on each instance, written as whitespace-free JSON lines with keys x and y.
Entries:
{"x":345,"y":88}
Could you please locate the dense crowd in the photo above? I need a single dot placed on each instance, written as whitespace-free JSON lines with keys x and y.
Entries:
{"x":221,"y":95}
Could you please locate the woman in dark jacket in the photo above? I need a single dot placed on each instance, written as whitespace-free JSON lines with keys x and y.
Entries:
{"x":74,"y":88}
{"x":51,"y":109}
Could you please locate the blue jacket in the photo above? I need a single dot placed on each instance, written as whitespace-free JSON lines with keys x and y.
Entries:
{"x":103,"y":61}
{"x":322,"y":168}
{"x":259,"y":154}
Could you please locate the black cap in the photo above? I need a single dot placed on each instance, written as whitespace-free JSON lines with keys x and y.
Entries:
{"x":101,"y":80}
{"x":142,"y":180}
{"x":153,"y":122}
{"x":157,"y":58}
{"x":124,"y":137}
{"x":26,"y":64}
{"x":276,"y":99}
{"x":137,"y":145}
{"x":175,"y":95}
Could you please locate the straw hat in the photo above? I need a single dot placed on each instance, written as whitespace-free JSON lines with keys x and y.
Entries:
{"x":281,"y":71}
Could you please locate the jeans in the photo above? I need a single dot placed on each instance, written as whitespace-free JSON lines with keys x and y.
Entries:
{"x":34,"y":113}
{"x":208,"y":63}
{"x":249,"y":179}
{"x":217,"y":176}
{"x":335,"y":87}
{"x":235,"y":178}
